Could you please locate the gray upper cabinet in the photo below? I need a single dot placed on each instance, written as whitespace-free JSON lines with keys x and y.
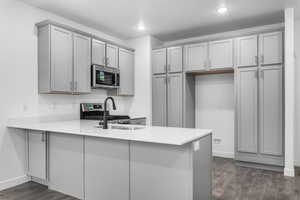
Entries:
{"x":246,"y":51}
{"x":61,"y":60}
{"x":112,"y":56}
{"x":271,"y":48}
{"x":159,"y":61}
{"x":271,"y":111}
{"x":174,"y":59}
{"x":82,"y":63}
{"x":159,"y":100}
{"x":126,"y":65}
{"x":195,"y":57}
{"x":98,"y":52}
{"x":175,"y":100}
{"x":247,"y":109}
{"x":64,"y":60}
{"x":37,"y":155}
{"x":221,"y":54}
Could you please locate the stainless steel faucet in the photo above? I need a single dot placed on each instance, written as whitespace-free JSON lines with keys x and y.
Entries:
{"x":105,"y":111}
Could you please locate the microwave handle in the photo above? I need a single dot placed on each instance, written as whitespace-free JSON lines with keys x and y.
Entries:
{"x":94,"y":76}
{"x":117,"y":79}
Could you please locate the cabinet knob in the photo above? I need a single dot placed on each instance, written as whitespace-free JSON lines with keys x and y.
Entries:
{"x":256,"y":60}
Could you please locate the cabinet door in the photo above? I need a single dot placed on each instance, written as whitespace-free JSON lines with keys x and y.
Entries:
{"x":175,"y":100}
{"x":98,"y":52}
{"x":196,"y":57}
{"x":174,"y":59}
{"x":159,"y":61}
{"x":270,"y":48}
{"x":61,"y":60}
{"x":221,"y":54}
{"x":66,"y":166}
{"x":37,"y":154}
{"x":106,"y":169}
{"x":159,"y":100}
{"x":126,"y":65}
{"x":82,"y":64}
{"x":247,"y":109}
{"x":112,"y":56}
{"x":246,"y":49}
{"x":271,"y":100}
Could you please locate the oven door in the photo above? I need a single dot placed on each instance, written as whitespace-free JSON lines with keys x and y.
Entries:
{"x":103,"y":77}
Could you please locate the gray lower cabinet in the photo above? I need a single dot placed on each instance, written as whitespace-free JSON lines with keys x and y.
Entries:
{"x":271,"y":111}
{"x":37,"y":154}
{"x":106,"y":169}
{"x":66,"y":164}
{"x":64,"y":60}
{"x":260,"y":115}
{"x":175,"y":98}
{"x":159,"y":100}
{"x":247,"y":108}
{"x":167,"y":100}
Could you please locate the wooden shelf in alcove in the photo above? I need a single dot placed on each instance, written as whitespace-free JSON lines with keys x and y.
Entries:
{"x":227,"y":71}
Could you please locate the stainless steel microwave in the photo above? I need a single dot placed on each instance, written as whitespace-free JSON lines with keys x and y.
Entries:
{"x":105,"y":77}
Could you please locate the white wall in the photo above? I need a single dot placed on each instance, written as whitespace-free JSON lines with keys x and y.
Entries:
{"x":18,"y":84}
{"x":215,"y":110}
{"x":297,"y":75}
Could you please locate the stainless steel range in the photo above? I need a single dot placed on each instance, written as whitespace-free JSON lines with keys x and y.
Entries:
{"x":95,"y":111}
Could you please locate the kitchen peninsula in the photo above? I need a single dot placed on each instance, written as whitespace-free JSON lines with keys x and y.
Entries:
{"x":78,"y":158}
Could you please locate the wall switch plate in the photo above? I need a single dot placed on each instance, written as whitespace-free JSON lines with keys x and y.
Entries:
{"x":217,"y":140}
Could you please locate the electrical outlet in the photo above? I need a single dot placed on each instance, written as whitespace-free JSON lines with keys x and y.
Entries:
{"x":217,"y":140}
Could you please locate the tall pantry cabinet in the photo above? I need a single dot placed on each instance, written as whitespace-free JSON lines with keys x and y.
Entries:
{"x":259,"y":99}
{"x":167,"y":87}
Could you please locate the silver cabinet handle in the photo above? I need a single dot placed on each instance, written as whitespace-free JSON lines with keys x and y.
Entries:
{"x":262,"y":59}
{"x":43,"y":137}
{"x":262,"y":73}
{"x":75,"y":85}
{"x":71,"y":85}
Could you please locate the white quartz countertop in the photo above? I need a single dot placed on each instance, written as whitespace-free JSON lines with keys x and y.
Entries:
{"x":150,"y":134}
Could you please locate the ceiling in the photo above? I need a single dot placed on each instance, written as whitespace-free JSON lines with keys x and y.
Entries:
{"x":167,"y":19}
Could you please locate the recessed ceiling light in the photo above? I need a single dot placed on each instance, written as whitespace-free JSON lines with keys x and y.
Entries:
{"x":141,"y":27}
{"x":222,"y":10}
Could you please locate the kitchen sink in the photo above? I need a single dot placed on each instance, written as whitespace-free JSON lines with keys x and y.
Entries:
{"x":119,"y":127}
{"x":123,"y":127}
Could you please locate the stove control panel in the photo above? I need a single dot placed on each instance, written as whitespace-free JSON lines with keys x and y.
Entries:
{"x":90,"y":107}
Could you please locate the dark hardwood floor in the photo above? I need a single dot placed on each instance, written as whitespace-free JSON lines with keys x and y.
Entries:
{"x":230,"y":182}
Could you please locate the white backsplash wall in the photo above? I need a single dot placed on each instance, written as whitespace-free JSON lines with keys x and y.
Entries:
{"x":215,"y":110}
{"x":19,"y":84}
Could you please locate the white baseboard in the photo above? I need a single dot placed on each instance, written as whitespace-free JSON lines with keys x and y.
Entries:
{"x":13,"y":182}
{"x":223,"y":154}
{"x":289,"y":172}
